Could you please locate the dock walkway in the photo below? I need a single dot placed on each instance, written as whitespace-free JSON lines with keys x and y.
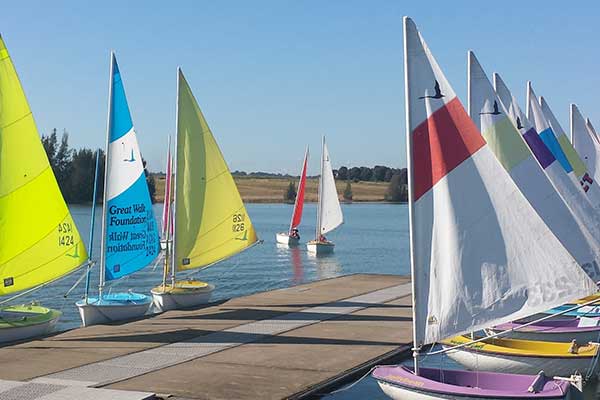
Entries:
{"x":270,"y":345}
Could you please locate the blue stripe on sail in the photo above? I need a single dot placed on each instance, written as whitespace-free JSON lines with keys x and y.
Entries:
{"x":120,"y":116}
{"x":131,"y":231}
{"x":550,"y":140}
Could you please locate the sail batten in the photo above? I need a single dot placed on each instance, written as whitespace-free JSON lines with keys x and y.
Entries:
{"x":211,"y":222}
{"x":40,"y":240}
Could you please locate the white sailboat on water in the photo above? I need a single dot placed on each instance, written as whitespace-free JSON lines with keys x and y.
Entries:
{"x":210,"y":220}
{"x":329,"y":211}
{"x":129,"y":233}
{"x":292,"y":236}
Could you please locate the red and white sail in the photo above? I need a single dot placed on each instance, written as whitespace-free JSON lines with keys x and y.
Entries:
{"x":480,"y":254}
{"x":299,"y":203}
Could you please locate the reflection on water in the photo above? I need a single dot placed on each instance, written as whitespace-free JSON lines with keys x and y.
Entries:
{"x":293,"y":255}
{"x":327,"y":265}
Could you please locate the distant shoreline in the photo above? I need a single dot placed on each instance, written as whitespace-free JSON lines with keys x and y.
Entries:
{"x":271,"y":190}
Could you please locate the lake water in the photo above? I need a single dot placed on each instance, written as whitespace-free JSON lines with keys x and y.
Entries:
{"x":373,"y":239}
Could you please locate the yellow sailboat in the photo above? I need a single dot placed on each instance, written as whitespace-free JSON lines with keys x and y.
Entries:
{"x":210,"y":221}
{"x":40,"y":242}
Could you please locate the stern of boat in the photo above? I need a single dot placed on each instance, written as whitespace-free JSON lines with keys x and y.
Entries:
{"x":184,"y":294}
{"x":113,"y":307}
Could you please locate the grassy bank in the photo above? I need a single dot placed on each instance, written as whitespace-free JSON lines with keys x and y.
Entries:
{"x":271,"y":190}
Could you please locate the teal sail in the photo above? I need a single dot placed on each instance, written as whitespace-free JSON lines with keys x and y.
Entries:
{"x":131,"y":239}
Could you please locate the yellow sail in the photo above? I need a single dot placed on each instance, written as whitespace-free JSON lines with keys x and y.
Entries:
{"x":211,"y":222}
{"x":38,"y":238}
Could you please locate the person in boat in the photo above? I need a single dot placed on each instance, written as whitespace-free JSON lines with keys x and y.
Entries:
{"x":323,"y":239}
{"x":295,"y":234}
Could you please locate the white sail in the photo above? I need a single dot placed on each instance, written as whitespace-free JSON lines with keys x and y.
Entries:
{"x":588,"y":123}
{"x":585,"y":143}
{"x":330,"y":212}
{"x":480,"y":254}
{"x":511,"y":149}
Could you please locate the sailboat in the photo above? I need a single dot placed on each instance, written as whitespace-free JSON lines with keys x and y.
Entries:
{"x":210,"y":221}
{"x":470,"y":227}
{"x":167,"y":216}
{"x":40,"y":242}
{"x":129,"y":233}
{"x":329,"y":212}
{"x":292,"y":236}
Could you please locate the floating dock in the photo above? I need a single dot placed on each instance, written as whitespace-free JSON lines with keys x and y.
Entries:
{"x":286,"y":343}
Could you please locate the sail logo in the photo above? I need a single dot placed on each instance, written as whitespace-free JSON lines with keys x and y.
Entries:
{"x":131,"y":157}
{"x":244,"y":237}
{"x":185,"y":261}
{"x":117,"y":268}
{"x":494,"y":112}
{"x":585,"y":182}
{"x":75,"y":254}
{"x":438,"y":92}
{"x":9,"y":281}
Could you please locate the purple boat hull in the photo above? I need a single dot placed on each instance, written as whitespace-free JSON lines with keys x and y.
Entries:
{"x":399,"y":382}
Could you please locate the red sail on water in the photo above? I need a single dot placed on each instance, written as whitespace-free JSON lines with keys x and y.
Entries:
{"x":297,"y":216}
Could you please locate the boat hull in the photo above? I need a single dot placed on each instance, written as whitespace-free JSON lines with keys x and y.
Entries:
{"x":316,"y":247}
{"x":399,"y":382}
{"x":519,"y":364}
{"x":185,"y":294}
{"x":580,"y":336}
{"x":585,"y":311}
{"x":26,"y":321}
{"x":284,"y":238}
{"x":113,"y":307}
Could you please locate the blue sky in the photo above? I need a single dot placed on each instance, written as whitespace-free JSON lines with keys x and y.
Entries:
{"x":273,"y":76}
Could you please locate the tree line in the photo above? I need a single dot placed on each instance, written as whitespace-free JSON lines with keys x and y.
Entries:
{"x":75,"y":169}
{"x":397,"y":190}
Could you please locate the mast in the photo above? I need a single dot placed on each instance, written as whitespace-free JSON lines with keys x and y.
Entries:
{"x":174,"y":207}
{"x":92,"y":223}
{"x":302,"y":176}
{"x":320,"y":192}
{"x":104,"y":196}
{"x":167,"y":204}
{"x":411,"y":206}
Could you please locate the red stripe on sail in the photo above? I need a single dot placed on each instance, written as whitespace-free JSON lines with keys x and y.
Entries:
{"x":297,"y":216}
{"x":441,"y":143}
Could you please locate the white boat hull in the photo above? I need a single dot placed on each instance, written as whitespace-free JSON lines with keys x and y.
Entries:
{"x":284,"y":238}
{"x":320,"y":247}
{"x":165,"y":300}
{"x":94,"y":313}
{"x":520,"y":364}
{"x":13,"y":334}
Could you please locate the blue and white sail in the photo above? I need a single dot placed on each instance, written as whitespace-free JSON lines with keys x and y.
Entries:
{"x":131,"y":239}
